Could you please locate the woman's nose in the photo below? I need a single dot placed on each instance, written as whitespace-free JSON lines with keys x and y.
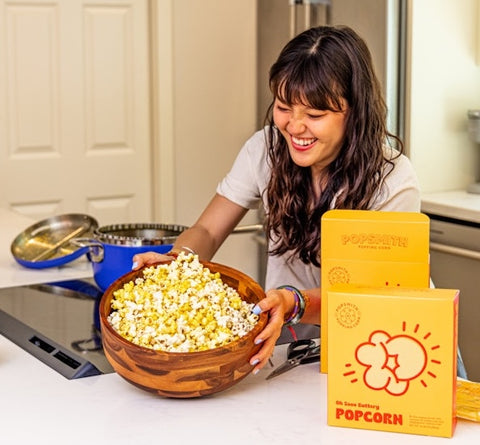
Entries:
{"x":295,"y":125}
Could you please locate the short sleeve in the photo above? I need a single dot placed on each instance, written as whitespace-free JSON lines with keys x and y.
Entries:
{"x":246,"y":181}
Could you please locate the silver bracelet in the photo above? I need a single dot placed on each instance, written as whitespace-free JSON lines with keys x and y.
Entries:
{"x":176,"y":250}
{"x":187,"y":249}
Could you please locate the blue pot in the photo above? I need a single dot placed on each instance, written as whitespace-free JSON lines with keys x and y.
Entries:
{"x":113,"y":247}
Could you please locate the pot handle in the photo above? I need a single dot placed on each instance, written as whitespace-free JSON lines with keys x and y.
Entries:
{"x":95,"y":248}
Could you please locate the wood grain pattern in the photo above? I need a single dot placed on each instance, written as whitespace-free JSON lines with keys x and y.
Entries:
{"x":179,"y":374}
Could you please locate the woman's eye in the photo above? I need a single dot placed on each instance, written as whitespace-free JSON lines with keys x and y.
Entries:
{"x":315,"y":115}
{"x":282,"y":109}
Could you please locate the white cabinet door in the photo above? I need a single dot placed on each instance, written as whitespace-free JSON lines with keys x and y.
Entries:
{"x":74,"y":109}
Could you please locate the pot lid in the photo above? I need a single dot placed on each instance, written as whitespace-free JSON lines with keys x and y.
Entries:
{"x":48,"y":243}
{"x":139,"y":234}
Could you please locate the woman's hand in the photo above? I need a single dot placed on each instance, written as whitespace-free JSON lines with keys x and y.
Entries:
{"x":277,"y":302}
{"x":148,"y":258}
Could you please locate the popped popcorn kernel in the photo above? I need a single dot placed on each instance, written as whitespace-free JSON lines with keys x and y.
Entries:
{"x":180,"y":307}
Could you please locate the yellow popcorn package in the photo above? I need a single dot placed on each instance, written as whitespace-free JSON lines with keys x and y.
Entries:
{"x":371,"y":248}
{"x":392,"y":359}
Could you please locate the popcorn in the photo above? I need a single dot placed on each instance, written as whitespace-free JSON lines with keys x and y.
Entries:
{"x":180,"y":307}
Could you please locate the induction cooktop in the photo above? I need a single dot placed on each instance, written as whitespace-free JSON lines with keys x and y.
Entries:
{"x":58,"y":323}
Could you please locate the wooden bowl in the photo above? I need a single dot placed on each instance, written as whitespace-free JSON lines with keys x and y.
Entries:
{"x":183,"y":374}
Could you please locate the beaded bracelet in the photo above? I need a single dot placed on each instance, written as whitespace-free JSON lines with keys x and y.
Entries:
{"x":299,"y":307}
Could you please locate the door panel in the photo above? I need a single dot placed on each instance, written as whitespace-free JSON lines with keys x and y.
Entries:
{"x":74,"y":109}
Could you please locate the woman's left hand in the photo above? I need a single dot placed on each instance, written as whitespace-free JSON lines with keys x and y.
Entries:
{"x":277,"y":302}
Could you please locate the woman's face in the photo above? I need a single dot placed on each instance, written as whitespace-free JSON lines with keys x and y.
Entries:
{"x":314,"y":137}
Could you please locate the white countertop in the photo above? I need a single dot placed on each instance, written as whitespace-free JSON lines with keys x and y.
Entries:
{"x":38,"y":405}
{"x":42,"y":407}
{"x":454,"y":204}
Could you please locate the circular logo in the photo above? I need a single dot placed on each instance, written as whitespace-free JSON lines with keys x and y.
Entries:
{"x":338,"y":275}
{"x":347,"y":315}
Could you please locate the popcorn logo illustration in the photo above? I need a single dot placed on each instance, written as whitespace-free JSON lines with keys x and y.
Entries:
{"x":392,"y":362}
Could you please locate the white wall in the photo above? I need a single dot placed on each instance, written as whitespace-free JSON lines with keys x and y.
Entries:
{"x":445,"y":83}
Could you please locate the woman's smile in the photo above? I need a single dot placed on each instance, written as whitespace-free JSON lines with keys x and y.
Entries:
{"x":302,"y":144}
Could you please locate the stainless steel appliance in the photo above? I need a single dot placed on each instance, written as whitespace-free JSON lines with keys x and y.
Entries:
{"x":58,"y":323}
{"x":455,"y":264}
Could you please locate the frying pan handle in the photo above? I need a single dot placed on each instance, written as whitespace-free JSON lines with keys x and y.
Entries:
{"x":95,"y":248}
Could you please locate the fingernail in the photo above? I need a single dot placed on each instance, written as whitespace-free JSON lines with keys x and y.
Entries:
{"x":255,"y":362}
{"x":258,"y":341}
{"x":255,"y":371}
{"x":134,"y":265}
{"x":257,"y":310}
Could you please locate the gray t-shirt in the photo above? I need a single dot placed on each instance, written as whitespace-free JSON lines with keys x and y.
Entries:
{"x":247,"y":181}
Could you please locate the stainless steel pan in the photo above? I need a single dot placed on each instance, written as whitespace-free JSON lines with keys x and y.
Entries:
{"x":49,"y":243}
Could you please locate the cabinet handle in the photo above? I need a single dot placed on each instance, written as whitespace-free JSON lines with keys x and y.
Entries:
{"x":466,"y":253}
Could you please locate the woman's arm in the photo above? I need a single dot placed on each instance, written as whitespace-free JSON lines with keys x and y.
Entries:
{"x":213,"y":226}
{"x":204,"y":238}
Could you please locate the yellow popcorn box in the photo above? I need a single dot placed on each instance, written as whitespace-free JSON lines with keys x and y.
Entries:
{"x":392,"y":359}
{"x":374,"y":249}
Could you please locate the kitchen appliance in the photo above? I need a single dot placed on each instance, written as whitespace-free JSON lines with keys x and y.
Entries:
{"x":455,"y":264}
{"x":58,"y":323}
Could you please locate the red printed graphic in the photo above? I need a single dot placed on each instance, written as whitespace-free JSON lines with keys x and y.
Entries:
{"x":392,"y":362}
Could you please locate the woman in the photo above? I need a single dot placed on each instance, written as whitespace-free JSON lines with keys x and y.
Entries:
{"x":325,"y":145}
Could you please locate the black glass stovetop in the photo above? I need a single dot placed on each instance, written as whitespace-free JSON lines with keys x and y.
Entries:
{"x":58,"y":323}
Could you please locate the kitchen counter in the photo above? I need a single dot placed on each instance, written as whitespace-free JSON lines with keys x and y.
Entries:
{"x":40,"y":406}
{"x":457,"y":204}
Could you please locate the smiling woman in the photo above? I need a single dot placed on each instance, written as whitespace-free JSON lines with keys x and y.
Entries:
{"x":323,"y":147}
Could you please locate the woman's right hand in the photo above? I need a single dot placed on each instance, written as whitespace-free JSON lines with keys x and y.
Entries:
{"x":148,"y":258}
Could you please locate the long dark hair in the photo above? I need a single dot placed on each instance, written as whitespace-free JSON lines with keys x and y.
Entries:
{"x":320,"y":68}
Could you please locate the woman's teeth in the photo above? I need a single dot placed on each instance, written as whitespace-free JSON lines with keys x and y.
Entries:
{"x":303,"y":142}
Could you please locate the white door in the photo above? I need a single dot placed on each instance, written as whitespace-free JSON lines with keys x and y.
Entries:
{"x":74,"y":109}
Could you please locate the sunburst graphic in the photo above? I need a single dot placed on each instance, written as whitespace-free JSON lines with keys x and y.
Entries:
{"x":392,"y":362}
